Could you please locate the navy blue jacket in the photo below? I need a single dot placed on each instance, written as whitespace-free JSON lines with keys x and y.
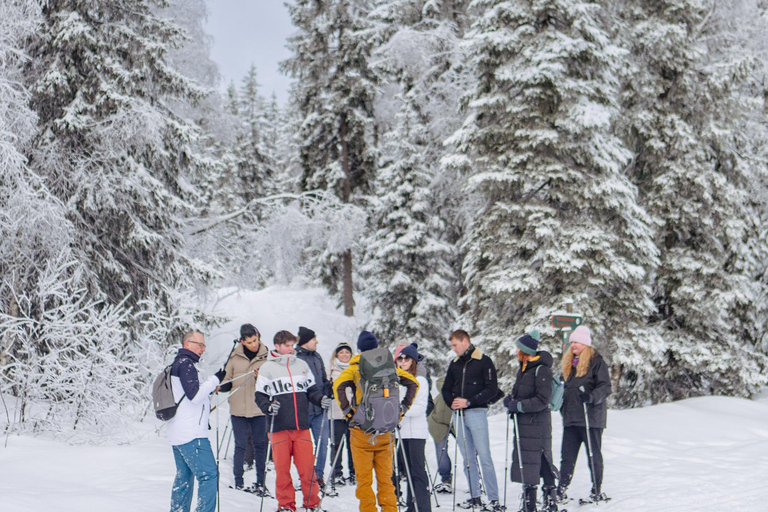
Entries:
{"x":315,"y":363}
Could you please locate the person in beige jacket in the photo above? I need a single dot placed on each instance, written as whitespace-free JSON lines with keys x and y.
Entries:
{"x":247,"y":357}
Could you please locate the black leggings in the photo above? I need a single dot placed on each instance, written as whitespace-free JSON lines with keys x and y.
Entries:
{"x":573,"y":438}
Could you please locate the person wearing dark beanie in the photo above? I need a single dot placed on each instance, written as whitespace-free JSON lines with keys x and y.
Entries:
{"x":529,"y":400}
{"x":366,"y":341}
{"x":306,"y":350}
{"x":305,"y":335}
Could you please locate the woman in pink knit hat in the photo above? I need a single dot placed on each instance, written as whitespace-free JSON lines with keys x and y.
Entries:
{"x":587,"y":386}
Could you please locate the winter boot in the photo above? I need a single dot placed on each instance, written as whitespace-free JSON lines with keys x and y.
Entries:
{"x":594,"y":497}
{"x":561,"y":496}
{"x":444,"y":488}
{"x":475,"y":503}
{"x":549,"y":498}
{"x":529,"y":499}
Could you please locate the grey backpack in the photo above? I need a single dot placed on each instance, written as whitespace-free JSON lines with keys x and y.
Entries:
{"x":379,"y":408}
{"x":162,"y":396}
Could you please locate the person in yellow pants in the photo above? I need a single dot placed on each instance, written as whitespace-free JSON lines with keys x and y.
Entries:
{"x":371,"y":452}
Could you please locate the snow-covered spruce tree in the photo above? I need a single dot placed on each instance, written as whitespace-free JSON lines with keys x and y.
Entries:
{"x":683,"y":102}
{"x":420,"y":67}
{"x":110,"y":147}
{"x":333,"y":94}
{"x":557,"y":216}
{"x":410,"y":283}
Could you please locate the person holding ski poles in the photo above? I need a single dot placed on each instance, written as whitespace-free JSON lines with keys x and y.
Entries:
{"x":319,"y":425}
{"x":284,"y":388}
{"x":587,"y":386}
{"x":414,"y":433}
{"x":188,"y":429}
{"x":528,"y":405}
{"x":371,"y":448}
{"x":470,"y":387}
{"x":340,"y":362}
{"x":247,"y":357}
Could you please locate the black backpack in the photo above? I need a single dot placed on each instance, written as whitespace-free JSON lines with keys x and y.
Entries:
{"x":162,"y":396}
{"x":379,"y":408}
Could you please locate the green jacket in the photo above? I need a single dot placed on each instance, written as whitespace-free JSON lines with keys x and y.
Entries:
{"x":439,"y":421}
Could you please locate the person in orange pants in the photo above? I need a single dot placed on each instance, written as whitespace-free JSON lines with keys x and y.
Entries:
{"x":283,"y":390}
{"x":371,"y":452}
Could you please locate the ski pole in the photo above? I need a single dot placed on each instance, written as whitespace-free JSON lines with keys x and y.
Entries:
{"x":218,"y":473}
{"x":589,"y":448}
{"x":396,"y":478}
{"x":314,"y":461}
{"x":236,"y":378}
{"x":269,"y":448}
{"x":407,"y":471}
{"x":431,"y":489}
{"x":506,"y":463}
{"x":463,"y":427}
{"x":333,"y":444}
{"x":440,"y":460}
{"x":519,"y":456}
{"x":340,"y":446}
{"x":229,"y":439}
{"x":455,"y":457}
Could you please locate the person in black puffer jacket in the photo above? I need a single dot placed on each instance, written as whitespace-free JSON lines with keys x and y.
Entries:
{"x":530,"y":402}
{"x":587,"y":385}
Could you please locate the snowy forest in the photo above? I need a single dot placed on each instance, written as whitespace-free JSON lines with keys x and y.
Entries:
{"x":455,"y":163}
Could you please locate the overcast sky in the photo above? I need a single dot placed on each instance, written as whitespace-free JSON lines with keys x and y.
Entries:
{"x":250,"y":31}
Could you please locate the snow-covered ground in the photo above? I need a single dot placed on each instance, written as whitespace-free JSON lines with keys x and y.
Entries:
{"x":698,"y":455}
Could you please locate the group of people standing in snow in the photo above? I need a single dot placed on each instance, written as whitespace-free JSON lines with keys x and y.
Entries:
{"x":288,"y":405}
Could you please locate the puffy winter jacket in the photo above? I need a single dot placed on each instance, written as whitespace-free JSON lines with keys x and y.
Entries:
{"x":191,"y":419}
{"x":597,"y":382}
{"x":414,"y":422}
{"x":315,"y":363}
{"x":471,"y":376}
{"x":288,"y":380}
{"x":532,"y":388}
{"x":241,"y":402}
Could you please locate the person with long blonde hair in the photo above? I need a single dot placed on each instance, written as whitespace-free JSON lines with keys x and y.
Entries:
{"x":587,"y":386}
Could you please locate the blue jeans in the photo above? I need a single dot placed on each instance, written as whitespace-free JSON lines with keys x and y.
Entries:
{"x":194,"y":460}
{"x":321,"y":445}
{"x":473,"y":438}
{"x":257,"y":426}
{"x":443,"y":460}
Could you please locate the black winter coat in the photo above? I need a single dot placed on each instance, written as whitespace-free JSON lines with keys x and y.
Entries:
{"x":532,"y":389}
{"x":597,"y":382}
{"x":315,"y":363}
{"x":471,"y":376}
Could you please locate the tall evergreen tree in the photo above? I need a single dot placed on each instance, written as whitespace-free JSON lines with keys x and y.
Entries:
{"x":110,"y":147}
{"x":557,"y":216}
{"x":683,"y":107}
{"x":334,"y":94}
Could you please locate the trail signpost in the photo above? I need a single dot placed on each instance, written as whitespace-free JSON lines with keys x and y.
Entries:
{"x":565,"y":322}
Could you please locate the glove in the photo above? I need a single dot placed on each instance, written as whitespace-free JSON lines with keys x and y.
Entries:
{"x":511,"y":404}
{"x":326,"y":402}
{"x":586,"y":397}
{"x":273,"y":408}
{"x":220,"y":374}
{"x":403,"y":410}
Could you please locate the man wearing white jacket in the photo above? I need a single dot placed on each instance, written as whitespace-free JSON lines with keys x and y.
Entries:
{"x":188,"y":429}
{"x":414,"y":432}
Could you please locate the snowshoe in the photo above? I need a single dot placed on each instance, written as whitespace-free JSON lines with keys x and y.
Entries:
{"x":261,"y":491}
{"x":472,"y":503}
{"x":494,"y":506}
{"x":444,"y":488}
{"x":594,"y":498}
{"x":351,"y":480}
{"x":339,"y":480}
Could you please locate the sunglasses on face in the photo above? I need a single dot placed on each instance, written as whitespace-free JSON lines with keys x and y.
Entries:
{"x":402,"y":358}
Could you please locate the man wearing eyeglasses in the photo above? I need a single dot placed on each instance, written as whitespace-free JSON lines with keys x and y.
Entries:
{"x":188,"y":429}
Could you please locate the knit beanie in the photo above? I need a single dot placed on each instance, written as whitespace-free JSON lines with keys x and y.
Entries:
{"x":366,"y":341}
{"x":528,"y":342}
{"x":248,"y":330}
{"x":341,"y":346}
{"x":411,"y":351}
{"x":305,"y":335}
{"x":581,"y":335}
